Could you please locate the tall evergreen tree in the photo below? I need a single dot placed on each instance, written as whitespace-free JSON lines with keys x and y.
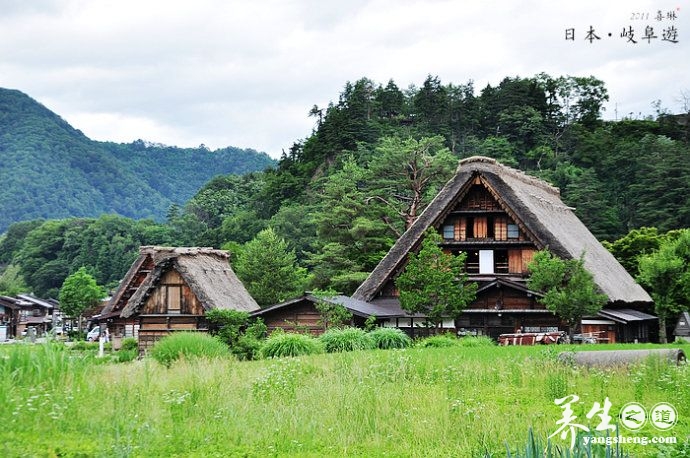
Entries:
{"x":268,"y":268}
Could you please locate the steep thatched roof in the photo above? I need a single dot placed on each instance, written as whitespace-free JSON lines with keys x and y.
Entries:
{"x":205,"y":270}
{"x":536,"y":207}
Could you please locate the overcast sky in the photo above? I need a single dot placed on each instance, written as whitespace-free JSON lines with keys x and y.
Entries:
{"x":246,"y":73}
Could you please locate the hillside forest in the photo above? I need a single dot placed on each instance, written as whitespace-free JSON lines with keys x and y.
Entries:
{"x":50,"y":170}
{"x":336,"y":201}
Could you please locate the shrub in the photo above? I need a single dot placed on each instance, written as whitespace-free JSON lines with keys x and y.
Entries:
{"x":76,"y":335}
{"x":247,"y":348}
{"x":129,"y":343}
{"x":445,"y":340}
{"x":82,"y":345}
{"x":346,"y":339}
{"x":226,"y":324}
{"x":477,"y":341}
{"x":386,"y":338}
{"x":125,"y":356}
{"x":187,"y":345}
{"x":281,"y":344}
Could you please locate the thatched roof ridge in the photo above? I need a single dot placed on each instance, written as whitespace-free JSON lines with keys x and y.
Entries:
{"x":205,"y":270}
{"x":540,"y":213}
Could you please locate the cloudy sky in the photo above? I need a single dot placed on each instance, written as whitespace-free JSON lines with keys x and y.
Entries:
{"x":246,"y":73}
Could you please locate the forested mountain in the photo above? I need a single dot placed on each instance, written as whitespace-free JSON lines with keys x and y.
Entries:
{"x":50,"y":170}
{"x":374,"y":160}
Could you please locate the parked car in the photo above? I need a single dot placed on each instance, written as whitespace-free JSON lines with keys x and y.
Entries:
{"x":579,"y":338}
{"x":93,"y":334}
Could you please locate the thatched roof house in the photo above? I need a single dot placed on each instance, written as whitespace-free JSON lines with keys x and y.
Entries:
{"x":500,"y":217}
{"x":171,"y":288}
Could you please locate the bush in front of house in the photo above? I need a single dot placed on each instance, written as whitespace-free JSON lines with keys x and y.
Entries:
{"x":187,"y":345}
{"x":441,"y":341}
{"x":129,"y":343}
{"x":387,"y":338}
{"x":249,"y":343}
{"x":346,"y":339}
{"x":281,"y":344}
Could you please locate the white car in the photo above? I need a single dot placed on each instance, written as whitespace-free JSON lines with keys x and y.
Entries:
{"x":93,"y":334}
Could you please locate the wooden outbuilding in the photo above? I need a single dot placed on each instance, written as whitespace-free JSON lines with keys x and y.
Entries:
{"x":301,"y":315}
{"x":501,"y":217}
{"x":170,"y":289}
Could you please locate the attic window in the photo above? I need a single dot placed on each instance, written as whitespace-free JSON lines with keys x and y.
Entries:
{"x":448,"y":231}
{"x":513,"y":231}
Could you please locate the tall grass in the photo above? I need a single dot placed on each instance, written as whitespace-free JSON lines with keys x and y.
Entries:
{"x":281,"y":344}
{"x":187,"y":345}
{"x":346,"y":339}
{"x":440,"y":341}
{"x":457,"y":401}
{"x":387,"y":338}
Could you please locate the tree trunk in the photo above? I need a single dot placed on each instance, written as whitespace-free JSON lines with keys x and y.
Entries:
{"x":662,"y":330}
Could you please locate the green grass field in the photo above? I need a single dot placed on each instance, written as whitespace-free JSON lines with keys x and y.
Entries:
{"x":460,"y":402}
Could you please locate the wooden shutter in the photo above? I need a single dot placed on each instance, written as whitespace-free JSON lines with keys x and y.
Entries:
{"x":480,"y":227}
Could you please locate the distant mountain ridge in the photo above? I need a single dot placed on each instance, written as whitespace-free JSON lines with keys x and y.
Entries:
{"x":48,"y":169}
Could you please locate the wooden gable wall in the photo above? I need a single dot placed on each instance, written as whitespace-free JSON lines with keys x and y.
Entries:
{"x":172,"y":296}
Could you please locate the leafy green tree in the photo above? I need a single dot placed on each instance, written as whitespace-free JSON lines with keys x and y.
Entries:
{"x":434,"y":283}
{"x":268,"y":268}
{"x":666,"y":275}
{"x":79,"y":292}
{"x":569,"y":290}
{"x":636,"y":243}
{"x":11,"y":281}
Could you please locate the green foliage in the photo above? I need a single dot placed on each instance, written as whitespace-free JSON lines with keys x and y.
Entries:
{"x":248,"y":345}
{"x":51,"y":170}
{"x":404,"y":170}
{"x":477,"y":341}
{"x":125,"y":356}
{"x":332,"y":315}
{"x":439,"y":341}
{"x":370,"y":323}
{"x":569,"y":290}
{"x":31,"y":366}
{"x":636,"y":243}
{"x":346,"y":339}
{"x":434,"y":283}
{"x":11,"y":281}
{"x":187,"y":345}
{"x":105,"y":246}
{"x":583,"y":449}
{"x":387,"y":338}
{"x":79,"y":292}
{"x":268,"y":269}
{"x":666,"y":275}
{"x":227,"y":324}
{"x":129,"y":344}
{"x":282,"y":344}
{"x":317,"y":404}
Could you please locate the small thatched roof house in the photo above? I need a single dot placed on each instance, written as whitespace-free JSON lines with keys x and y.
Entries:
{"x":500,"y":217}
{"x":682,"y":330}
{"x":169,"y":289}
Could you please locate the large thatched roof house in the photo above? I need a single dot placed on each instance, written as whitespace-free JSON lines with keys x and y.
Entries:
{"x":500,"y":217}
{"x":168,"y":289}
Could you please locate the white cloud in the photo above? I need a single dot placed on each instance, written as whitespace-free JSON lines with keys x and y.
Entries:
{"x":246,"y":73}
